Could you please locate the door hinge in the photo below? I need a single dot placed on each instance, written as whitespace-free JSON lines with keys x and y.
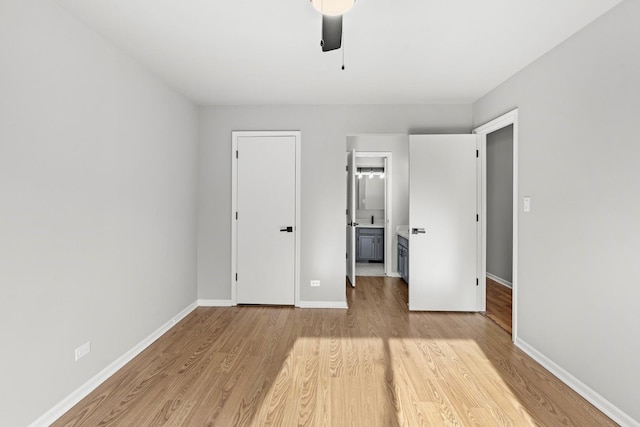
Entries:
{"x":236,"y":277}
{"x":347,"y":168}
{"x":477,"y":282}
{"x":236,"y":214}
{"x":236,"y":154}
{"x":477,"y":218}
{"x":346,"y":255}
{"x":477,"y":153}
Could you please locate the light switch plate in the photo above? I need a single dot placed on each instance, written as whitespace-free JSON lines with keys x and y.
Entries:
{"x":527,"y":204}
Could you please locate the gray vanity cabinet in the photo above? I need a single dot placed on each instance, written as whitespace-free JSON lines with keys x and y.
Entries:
{"x":403,"y":258}
{"x":370,"y":244}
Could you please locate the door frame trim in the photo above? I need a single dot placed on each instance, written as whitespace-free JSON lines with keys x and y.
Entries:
{"x":510,"y":118}
{"x":234,"y":206}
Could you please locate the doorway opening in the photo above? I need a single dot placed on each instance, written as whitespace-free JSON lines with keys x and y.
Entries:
{"x":498,"y":178}
{"x":499,"y":244}
{"x":370,"y":195}
{"x":369,"y":238}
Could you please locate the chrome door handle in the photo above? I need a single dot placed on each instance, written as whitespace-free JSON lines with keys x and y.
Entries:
{"x":418,"y":231}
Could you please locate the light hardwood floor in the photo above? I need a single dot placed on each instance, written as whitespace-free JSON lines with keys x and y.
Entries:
{"x":375,"y":364}
{"x":499,"y":304}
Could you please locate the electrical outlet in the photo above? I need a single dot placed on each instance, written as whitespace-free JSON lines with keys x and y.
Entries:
{"x":83,"y":350}
{"x":315,"y":283}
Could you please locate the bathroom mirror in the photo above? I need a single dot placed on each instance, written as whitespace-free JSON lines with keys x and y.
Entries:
{"x":370,"y":192}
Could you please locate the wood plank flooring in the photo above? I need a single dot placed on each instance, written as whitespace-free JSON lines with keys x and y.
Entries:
{"x":375,"y":364}
{"x":499,"y":303}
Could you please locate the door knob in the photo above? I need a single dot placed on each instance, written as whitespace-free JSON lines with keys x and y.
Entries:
{"x":286,"y":229}
{"x":418,"y":231}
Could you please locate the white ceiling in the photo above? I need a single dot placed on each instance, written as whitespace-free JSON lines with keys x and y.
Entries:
{"x":243,"y":52}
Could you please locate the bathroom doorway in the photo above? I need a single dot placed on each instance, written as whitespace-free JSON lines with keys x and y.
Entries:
{"x":369,"y":238}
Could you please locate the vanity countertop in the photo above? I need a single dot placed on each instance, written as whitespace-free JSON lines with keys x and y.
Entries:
{"x":403,"y":230}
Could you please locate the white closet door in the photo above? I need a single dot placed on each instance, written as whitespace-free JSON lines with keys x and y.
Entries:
{"x":266,"y":220}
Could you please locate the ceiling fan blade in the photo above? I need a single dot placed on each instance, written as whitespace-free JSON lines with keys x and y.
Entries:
{"x":331,"y":32}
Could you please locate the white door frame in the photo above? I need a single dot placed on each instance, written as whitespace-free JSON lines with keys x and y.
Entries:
{"x":388,"y":212}
{"x":234,"y":207}
{"x":510,"y":118}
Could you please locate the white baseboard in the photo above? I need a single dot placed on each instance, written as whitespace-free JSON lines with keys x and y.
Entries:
{"x":301,"y":304}
{"x":608,"y":408}
{"x":394,"y":274}
{"x":323,"y":304}
{"x":500,"y":280}
{"x":80,"y":393}
{"x":215,"y":303}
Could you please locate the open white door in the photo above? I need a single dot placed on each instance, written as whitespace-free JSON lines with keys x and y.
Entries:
{"x":443,"y":223}
{"x":266,"y":218}
{"x":351,"y":217}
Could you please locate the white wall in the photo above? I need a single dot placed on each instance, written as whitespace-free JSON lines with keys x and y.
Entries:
{"x":324,"y":134}
{"x":97,"y":206}
{"x":579,"y":151}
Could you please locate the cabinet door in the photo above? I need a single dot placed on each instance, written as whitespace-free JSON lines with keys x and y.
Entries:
{"x":366,"y":247}
{"x":379,"y":255}
{"x":376,"y":244}
{"x":405,"y":266}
